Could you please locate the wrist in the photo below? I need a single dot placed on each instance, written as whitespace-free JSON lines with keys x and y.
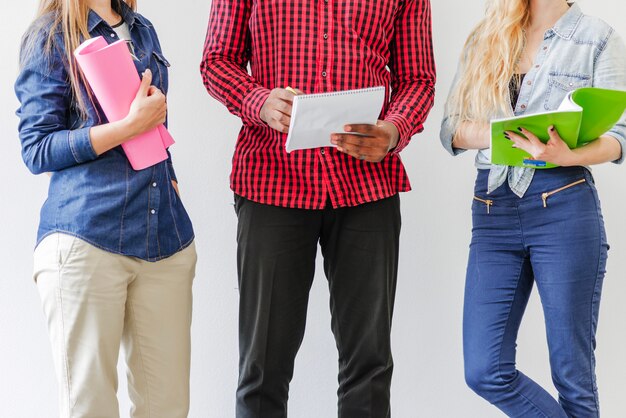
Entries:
{"x":127,"y":127}
{"x":394,"y":134}
{"x":394,"y":141}
{"x":262,"y":113}
{"x":574,"y":158}
{"x":109,"y":135}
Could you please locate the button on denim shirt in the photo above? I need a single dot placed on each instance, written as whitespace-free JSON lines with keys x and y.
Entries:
{"x":99,"y":199}
{"x":579,"y":51}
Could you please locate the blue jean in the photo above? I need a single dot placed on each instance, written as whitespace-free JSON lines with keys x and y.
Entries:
{"x":559,"y":243}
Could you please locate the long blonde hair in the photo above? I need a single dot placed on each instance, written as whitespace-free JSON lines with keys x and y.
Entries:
{"x":489,"y":61}
{"x":70,"y":19}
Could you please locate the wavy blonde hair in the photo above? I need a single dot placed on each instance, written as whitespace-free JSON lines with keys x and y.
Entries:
{"x":491,"y":55}
{"x":70,"y":19}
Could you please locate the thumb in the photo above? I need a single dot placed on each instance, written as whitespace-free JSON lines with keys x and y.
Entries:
{"x":146,"y":81}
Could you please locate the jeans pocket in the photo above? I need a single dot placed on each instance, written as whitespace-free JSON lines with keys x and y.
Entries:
{"x":546,"y":195}
{"x":66,"y":245}
{"x":237,"y":203}
{"x":45,"y":255}
{"x":488,"y":203}
{"x":52,"y":253}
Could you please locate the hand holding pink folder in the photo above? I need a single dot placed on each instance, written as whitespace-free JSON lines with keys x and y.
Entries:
{"x":113,"y":78}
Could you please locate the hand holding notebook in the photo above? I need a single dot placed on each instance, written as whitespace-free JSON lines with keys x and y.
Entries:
{"x":315,"y":117}
{"x":584,"y":115}
{"x":113,"y":78}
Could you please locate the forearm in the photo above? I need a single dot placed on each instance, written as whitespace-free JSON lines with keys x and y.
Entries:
{"x":219,"y":75}
{"x":604,"y":149}
{"x":110,"y":135}
{"x":472,"y":135}
{"x":225,"y":61}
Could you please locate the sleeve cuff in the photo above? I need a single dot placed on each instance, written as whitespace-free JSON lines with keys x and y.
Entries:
{"x":447,"y":136}
{"x":622,"y":141}
{"x":80,"y":145}
{"x":252,"y":104}
{"x":404,"y":130}
{"x":453,"y":151}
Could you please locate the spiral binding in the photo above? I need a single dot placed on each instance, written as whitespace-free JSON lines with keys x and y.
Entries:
{"x":339,"y":93}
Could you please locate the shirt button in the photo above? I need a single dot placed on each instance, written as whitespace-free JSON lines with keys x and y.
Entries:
{"x":537,"y":66}
{"x":323,"y":73}
{"x":325,"y":36}
{"x":112,"y":35}
{"x":152,"y":211}
{"x":322,"y":151}
{"x":529,"y":82}
{"x":523,"y":107}
{"x":154,"y":184}
{"x":545,"y":48}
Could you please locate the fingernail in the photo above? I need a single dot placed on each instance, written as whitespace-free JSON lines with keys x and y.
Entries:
{"x":506,"y":135}
{"x":551,"y":128}
{"x":348,"y":128}
{"x":519,"y":129}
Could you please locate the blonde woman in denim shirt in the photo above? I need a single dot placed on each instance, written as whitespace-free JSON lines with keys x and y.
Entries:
{"x":115,"y":259}
{"x":542,"y":226}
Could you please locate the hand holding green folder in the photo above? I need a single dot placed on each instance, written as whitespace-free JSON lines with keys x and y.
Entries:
{"x":585,"y":115}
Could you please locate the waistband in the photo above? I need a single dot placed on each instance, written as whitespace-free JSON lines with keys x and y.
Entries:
{"x":543,"y":181}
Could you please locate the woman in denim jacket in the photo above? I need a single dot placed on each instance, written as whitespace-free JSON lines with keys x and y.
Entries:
{"x":534,"y":226}
{"x":115,"y":259}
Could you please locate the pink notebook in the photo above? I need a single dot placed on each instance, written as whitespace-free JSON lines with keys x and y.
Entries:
{"x":113,"y":78}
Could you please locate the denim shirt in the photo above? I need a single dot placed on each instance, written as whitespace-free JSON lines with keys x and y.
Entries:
{"x":579,"y":51}
{"x":99,"y":199}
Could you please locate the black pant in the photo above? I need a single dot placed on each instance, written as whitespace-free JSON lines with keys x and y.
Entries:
{"x":276,"y":264}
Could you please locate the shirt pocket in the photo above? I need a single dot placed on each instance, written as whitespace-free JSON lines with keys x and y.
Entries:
{"x":369,"y":20}
{"x":560,"y":84}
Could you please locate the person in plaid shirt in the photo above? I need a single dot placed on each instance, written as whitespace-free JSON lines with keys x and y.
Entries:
{"x":344,"y":196}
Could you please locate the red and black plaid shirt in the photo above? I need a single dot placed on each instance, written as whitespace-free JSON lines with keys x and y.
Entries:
{"x":318,"y":46}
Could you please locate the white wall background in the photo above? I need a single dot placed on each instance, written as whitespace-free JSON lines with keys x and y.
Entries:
{"x":428,"y":379}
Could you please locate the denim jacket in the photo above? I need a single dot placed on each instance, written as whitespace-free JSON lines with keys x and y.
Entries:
{"x":579,"y":51}
{"x":99,"y":199}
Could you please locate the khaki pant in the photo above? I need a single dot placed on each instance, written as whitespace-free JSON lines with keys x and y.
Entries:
{"x":93,"y":301}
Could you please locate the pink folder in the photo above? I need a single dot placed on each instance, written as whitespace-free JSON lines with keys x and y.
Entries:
{"x":113,"y":78}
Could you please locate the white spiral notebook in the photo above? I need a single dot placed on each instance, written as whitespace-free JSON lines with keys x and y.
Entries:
{"x":314,"y":117}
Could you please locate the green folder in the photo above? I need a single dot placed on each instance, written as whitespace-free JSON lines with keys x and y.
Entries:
{"x":585,"y":115}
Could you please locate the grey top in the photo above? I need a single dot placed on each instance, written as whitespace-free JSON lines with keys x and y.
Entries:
{"x":579,"y":51}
